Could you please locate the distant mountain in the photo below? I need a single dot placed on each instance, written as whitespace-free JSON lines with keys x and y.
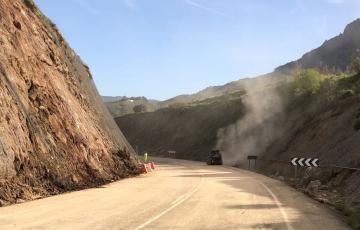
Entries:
{"x":111,"y":99}
{"x":334,"y":55}
{"x":231,"y":87}
{"x":127,"y":105}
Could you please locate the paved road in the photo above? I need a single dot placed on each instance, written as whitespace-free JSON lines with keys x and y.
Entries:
{"x":179,"y":195}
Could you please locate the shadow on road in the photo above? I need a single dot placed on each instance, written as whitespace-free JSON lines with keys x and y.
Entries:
{"x":293,"y":207}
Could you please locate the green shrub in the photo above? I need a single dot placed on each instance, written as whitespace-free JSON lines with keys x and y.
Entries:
{"x":307,"y":82}
{"x":177,"y":105}
{"x":345,"y":93}
{"x":354,"y":219}
{"x":328,"y":89}
{"x":30,"y":4}
{"x":141,"y":108}
{"x":352,"y":215}
{"x":341,"y":207}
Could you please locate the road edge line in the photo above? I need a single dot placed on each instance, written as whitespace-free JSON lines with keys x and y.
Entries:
{"x":172,"y":206}
{"x":278,"y":203}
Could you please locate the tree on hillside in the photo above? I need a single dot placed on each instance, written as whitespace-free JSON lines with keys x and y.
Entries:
{"x":140,"y":108}
{"x":307,"y":82}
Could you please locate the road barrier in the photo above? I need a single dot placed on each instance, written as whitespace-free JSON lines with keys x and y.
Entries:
{"x":146,"y":168}
{"x":152,"y":165}
{"x":143,"y":169}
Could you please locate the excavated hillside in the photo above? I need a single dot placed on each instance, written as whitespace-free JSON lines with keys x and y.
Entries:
{"x":56,"y":134}
{"x":190,"y":130}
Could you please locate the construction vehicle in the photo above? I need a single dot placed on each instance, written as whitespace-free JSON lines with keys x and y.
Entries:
{"x":214,"y":158}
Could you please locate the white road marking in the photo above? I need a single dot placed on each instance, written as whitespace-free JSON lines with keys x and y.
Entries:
{"x":179,"y":198}
{"x":278,"y":203}
{"x":276,"y":200}
{"x":174,"y":204}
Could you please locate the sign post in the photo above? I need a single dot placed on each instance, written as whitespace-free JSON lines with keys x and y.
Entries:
{"x":305,"y":162}
{"x":172,"y":154}
{"x":250,"y":158}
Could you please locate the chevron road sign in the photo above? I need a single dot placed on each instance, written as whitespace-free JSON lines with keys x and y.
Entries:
{"x":305,"y":162}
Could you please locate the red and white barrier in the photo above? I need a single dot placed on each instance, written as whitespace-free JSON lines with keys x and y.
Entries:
{"x":143,"y":169}
{"x":146,"y":168}
{"x":152,"y":165}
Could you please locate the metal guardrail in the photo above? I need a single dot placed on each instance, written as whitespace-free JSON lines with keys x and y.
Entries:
{"x":343,"y":167}
{"x":321,"y":166}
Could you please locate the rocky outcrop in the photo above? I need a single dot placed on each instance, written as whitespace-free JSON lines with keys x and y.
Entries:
{"x":334,"y":55}
{"x":55,"y":132}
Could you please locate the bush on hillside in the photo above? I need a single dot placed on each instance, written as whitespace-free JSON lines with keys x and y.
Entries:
{"x":307,"y":82}
{"x":328,"y":89}
{"x":177,"y":105}
{"x":345,"y":93}
{"x":140,"y":108}
{"x":30,"y":4}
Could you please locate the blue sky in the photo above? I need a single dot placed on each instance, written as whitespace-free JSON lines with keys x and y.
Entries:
{"x":163,"y":48}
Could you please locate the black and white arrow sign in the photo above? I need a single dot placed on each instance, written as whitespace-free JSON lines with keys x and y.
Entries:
{"x":305,"y":162}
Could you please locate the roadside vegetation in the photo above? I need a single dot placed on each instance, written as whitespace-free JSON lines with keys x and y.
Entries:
{"x":311,"y":87}
{"x":310,"y":84}
{"x":352,"y":215}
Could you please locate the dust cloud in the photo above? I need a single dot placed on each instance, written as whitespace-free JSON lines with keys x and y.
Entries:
{"x":254,"y":132}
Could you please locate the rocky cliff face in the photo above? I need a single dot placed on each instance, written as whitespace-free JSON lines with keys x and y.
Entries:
{"x":334,"y":55}
{"x":55,"y":133}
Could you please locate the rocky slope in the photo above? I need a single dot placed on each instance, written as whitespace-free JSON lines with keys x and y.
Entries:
{"x":56,"y":134}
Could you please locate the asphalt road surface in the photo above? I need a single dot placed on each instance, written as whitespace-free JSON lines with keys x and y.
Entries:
{"x":178,"y":195}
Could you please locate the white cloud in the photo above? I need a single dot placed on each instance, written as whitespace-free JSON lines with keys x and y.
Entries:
{"x":205,"y":8}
